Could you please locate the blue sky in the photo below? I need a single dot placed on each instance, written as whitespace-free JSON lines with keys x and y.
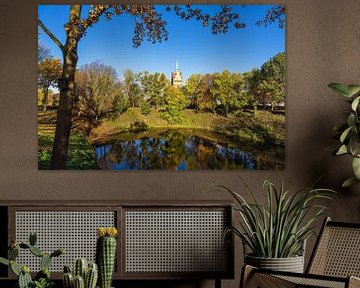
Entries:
{"x":196,"y":48}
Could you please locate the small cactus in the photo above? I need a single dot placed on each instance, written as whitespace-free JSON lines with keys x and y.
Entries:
{"x":36,"y":251}
{"x":84,"y":274}
{"x":24,"y":280}
{"x":32,"y":239}
{"x":106,"y":254}
{"x":80,"y":268}
{"x":91,"y":276}
{"x":23,"y":273}
{"x":79,"y":282}
{"x":45,"y":261}
{"x":13,"y":253}
{"x":68,"y":280}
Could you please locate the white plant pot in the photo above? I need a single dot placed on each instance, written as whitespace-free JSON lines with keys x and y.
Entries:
{"x":291,"y":264}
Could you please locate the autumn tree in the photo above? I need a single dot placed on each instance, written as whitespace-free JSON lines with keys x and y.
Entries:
{"x":148,"y":24}
{"x":49,"y":71}
{"x":98,"y":90}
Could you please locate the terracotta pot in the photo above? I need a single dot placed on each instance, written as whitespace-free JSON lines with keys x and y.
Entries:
{"x":291,"y":264}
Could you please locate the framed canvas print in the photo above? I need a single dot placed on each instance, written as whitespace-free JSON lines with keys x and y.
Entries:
{"x":161,"y":87}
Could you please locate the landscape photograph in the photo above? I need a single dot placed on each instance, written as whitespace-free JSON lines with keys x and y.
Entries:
{"x":161,"y":87}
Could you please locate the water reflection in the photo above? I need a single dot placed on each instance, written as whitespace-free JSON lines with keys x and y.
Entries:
{"x":171,"y":150}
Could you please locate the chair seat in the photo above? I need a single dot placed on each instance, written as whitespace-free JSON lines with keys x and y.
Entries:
{"x":314,"y":282}
{"x":335,"y":262}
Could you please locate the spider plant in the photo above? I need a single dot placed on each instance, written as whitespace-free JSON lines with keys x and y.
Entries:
{"x":280,"y":229}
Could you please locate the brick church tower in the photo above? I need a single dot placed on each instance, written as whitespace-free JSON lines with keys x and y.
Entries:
{"x":176,"y":77}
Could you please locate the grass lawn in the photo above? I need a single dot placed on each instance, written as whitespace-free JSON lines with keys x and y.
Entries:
{"x":263,"y":127}
{"x":81,"y":153}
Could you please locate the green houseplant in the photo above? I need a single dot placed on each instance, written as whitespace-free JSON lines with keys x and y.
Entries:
{"x":349,"y":132}
{"x":276,"y":233}
{"x":42,"y":278}
{"x":106,"y":254}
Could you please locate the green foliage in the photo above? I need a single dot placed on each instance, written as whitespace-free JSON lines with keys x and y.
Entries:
{"x":43,"y":283}
{"x":81,"y":154}
{"x":267,"y":85}
{"x":145,"y":108}
{"x":131,"y":88}
{"x":279,"y":229}
{"x":229,"y":90}
{"x":175,"y":102}
{"x":138,"y":126}
{"x":349,"y":132}
{"x":42,"y":278}
{"x":152,"y":88}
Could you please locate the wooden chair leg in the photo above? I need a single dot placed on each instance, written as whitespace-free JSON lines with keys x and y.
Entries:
{"x":251,"y":279}
{"x":246,"y":274}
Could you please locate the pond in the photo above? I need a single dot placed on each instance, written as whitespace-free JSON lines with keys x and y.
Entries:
{"x":183,"y":149}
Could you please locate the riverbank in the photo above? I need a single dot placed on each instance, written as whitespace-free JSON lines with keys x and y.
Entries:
{"x":81,"y":153}
{"x":262,"y":133}
{"x":263,"y":127}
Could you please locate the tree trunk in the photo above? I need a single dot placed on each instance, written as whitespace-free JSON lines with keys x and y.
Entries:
{"x":45,"y":98}
{"x":67,"y":86}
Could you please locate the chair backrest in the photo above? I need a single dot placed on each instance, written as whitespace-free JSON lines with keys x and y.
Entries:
{"x":337,"y":251}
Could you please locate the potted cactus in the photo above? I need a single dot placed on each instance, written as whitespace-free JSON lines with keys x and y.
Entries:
{"x":106,"y":254}
{"x":84,"y":275}
{"x":42,"y":278}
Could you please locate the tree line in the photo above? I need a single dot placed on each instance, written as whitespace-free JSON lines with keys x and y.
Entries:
{"x":100,"y":93}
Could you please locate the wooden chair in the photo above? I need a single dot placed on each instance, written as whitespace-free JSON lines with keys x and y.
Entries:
{"x":335,"y":262}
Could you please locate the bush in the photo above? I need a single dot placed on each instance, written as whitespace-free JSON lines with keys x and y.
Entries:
{"x":145,"y":108}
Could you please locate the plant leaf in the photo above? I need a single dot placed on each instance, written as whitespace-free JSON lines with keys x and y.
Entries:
{"x":349,"y":182}
{"x":355,"y":103}
{"x":342,"y":150}
{"x":340,"y":88}
{"x":356,"y":167}
{"x":353,"y":89}
{"x":345,"y":134}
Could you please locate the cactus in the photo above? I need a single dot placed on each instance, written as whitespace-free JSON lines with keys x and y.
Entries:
{"x":4,"y":261}
{"x":24,"y":278}
{"x":14,"y":268}
{"x":79,"y":282}
{"x":68,"y":280}
{"x":32,"y":239}
{"x":105,"y":254}
{"x":13,"y":253}
{"x":45,"y":261}
{"x":36,"y":251}
{"x":88,"y":273}
{"x":23,"y":273}
{"x":91,"y":276}
{"x":80,"y":267}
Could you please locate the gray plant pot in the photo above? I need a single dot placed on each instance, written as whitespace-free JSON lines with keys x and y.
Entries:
{"x":291,"y":264}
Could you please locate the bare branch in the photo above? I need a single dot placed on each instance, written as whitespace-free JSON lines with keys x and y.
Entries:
{"x":50,"y":34}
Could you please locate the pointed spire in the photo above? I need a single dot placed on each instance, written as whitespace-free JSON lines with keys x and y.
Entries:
{"x":177,"y":66}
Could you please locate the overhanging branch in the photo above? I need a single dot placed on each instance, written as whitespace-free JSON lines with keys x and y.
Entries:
{"x":50,"y":34}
